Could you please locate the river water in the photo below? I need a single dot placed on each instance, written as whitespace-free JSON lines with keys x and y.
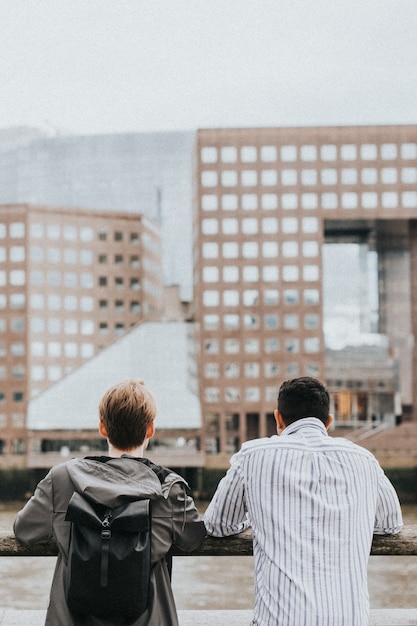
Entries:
{"x":205,"y":582}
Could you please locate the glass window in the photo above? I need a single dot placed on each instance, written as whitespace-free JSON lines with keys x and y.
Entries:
{"x":409,"y":151}
{"x":349,"y":200}
{"x":311,"y":321}
{"x":230,"y":226}
{"x":389,"y":199}
{"x":229,"y":154}
{"x":409,"y":199}
{"x":290,"y":273}
{"x":249,"y":178}
{"x":329,"y":200}
{"x":17,"y":230}
{"x":248,"y":154}
{"x":312,"y":345}
{"x":231,"y":297}
{"x":229,"y":202}
{"x":229,"y":178}
{"x":251,"y":321}
{"x":250,"y":297}
{"x":70,"y":256}
{"x":53,"y":255}
{"x":211,"y":322}
{"x":349,"y":176}
{"x":271,"y":322}
{"x":54,"y":349}
{"x":269,"y":177}
{"x":289,"y":201}
{"x":269,"y":249}
{"x":250,"y":273}
{"x":252,"y":370}
{"x":87,"y":350}
{"x":231,"y":346}
{"x":87,"y":281}
{"x":70,"y":303}
{"x":70,"y":233}
{"x":54,"y":302}
{"x":348,"y":152}
{"x":288,"y":153}
{"x":37,"y":348}
{"x":230,"y":250}
{"x":210,"y":298}
{"x":208,"y":154}
{"x":269,"y":225}
{"x":53,"y":231}
{"x":17,"y":254}
{"x":291,"y":321}
{"x":328,"y":176}
{"x":210,"y":274}
{"x":369,"y":200}
{"x":209,"y":227}
{"x":231,"y":321}
{"x":268,"y":154}
{"x":271,"y":345}
{"x":54,"y":279}
{"x":310,"y":248}
{"x":289,"y":225}
{"x":369,"y":176}
{"x":230,"y":274}
{"x":288,"y":177}
{"x":328,"y":153}
{"x":211,"y":370}
{"x":37,"y":372}
{"x":311,"y":272}
{"x":289,"y":249}
{"x":252,"y":345}
{"x":311,"y":296}
{"x":309,"y":177}
{"x":87,"y":327}
{"x":54,"y":372}
{"x":309,"y":200}
{"x":37,"y":301}
{"x":209,"y":202}
{"x":54,"y":325}
{"x":270,"y":273}
{"x":269,"y":201}
{"x":292,"y":345}
{"x":271,"y":297}
{"x":86,"y":303}
{"x":70,"y":349}
{"x":388,"y":151}
{"x":70,"y":327}
{"x":409,"y":175}
{"x":368,"y":152}
{"x":17,"y":301}
{"x":291,"y":296}
{"x":249,"y":226}
{"x":86,"y":234}
{"x":250,"y":250}
{"x":389,"y":175}
{"x":70,"y":279}
{"x":36,"y":230}
{"x":210,"y":250}
{"x":308,"y":153}
{"x":17,"y":278}
{"x":87,"y":257}
{"x":249,"y":202}
{"x":209,"y":179}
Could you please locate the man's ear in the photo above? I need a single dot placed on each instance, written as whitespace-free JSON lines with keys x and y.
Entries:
{"x":279,"y":421}
{"x":150,"y":431}
{"x":329,"y":421}
{"x":102,"y":430}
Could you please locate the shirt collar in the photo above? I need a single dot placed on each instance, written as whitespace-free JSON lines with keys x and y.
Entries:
{"x":304,"y":422}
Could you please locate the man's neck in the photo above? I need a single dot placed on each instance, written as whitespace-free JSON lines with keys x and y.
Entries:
{"x":116,"y":453}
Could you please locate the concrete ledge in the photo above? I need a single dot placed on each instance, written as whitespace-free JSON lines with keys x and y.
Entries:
{"x":379,"y":617}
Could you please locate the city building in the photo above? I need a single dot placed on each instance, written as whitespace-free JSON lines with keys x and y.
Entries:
{"x":72,"y":281}
{"x":266,"y":200}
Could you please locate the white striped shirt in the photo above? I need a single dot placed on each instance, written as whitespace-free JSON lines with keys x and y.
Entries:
{"x":313,"y":502}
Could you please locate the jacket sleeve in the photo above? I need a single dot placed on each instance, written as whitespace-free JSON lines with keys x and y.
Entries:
{"x":34,"y":522}
{"x":388,"y":517}
{"x":188,"y":526}
{"x":226,"y":513}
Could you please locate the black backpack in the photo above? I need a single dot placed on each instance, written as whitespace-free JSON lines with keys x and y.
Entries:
{"x":109,"y":560}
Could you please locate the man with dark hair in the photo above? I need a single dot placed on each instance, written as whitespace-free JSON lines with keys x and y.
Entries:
{"x":127,"y":412}
{"x":313,"y":503}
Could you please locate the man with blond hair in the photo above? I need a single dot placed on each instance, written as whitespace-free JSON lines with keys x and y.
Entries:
{"x":127,"y":412}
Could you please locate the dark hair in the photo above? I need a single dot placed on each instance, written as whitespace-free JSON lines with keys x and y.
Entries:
{"x":126,"y":411}
{"x":303,"y":397}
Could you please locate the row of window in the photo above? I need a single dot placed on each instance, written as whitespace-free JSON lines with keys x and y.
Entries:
{"x":251,"y":345}
{"x":18,"y":421}
{"x":267,"y":250}
{"x":268,"y":274}
{"x":308,"y":152}
{"x":312,"y":200}
{"x":15,"y":396}
{"x":310,"y":177}
{"x":39,"y":230}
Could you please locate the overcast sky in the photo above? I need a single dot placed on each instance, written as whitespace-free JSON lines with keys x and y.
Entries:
{"x":97,"y":66}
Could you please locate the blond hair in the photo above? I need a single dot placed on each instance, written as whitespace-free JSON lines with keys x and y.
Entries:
{"x":126,"y":411}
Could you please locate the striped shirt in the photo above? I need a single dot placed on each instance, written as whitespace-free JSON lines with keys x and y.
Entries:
{"x":313,"y":502}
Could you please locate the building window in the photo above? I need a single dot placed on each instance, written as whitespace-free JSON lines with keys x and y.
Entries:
{"x":229,"y":154}
{"x":328,"y":153}
{"x":229,"y":202}
{"x":208,"y":155}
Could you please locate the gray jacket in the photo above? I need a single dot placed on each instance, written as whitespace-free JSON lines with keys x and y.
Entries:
{"x":175,"y":521}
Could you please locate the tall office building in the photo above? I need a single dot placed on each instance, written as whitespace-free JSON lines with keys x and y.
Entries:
{"x":71,"y":282}
{"x":266,"y":200}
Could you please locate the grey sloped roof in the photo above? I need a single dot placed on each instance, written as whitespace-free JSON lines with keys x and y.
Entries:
{"x":154,"y":352}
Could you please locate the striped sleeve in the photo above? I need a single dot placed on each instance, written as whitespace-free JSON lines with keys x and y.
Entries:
{"x":226,"y":513}
{"x":388,"y":517}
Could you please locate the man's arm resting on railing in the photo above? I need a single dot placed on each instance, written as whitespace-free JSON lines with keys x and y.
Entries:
{"x":402,"y":544}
